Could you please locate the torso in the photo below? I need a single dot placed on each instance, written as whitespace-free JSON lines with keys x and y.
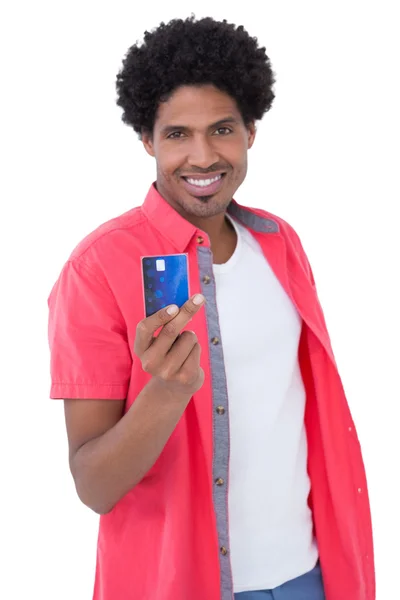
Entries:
{"x":270,"y":521}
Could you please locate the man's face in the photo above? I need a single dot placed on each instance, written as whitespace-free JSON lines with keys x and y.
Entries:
{"x":199,"y":135}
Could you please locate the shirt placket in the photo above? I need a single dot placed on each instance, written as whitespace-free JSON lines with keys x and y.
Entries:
{"x":220,"y":418}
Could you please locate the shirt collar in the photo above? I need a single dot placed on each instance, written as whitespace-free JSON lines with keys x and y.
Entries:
{"x":179,"y":231}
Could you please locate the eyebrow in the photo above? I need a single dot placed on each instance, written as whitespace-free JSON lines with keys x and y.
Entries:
{"x":171,"y":128}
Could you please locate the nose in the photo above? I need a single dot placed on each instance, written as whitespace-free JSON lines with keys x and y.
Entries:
{"x":202,"y":154}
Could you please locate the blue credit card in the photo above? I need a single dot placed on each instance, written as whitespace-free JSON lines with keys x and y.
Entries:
{"x":165,"y":281}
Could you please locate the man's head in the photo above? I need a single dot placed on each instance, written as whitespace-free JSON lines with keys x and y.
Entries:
{"x":193,"y":92}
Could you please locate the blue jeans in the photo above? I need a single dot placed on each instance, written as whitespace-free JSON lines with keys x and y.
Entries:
{"x":307,"y":587}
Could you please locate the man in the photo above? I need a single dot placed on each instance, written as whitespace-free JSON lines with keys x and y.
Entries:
{"x":214,"y":439}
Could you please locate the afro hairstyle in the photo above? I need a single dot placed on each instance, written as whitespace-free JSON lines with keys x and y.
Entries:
{"x":193,"y":52}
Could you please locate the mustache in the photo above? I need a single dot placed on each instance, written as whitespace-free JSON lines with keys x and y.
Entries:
{"x":212,"y":169}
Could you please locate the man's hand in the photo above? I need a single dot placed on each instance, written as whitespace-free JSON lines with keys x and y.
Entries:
{"x":173,"y":358}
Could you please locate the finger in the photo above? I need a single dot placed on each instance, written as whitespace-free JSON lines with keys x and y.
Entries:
{"x":177,"y":356}
{"x":190,"y":369}
{"x":173,"y":328}
{"x":147,"y":327}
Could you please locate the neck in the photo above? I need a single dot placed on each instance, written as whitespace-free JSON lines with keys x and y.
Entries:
{"x":219,"y":230}
{"x":221,"y":233}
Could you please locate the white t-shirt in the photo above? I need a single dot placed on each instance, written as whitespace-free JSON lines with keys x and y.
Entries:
{"x":270,"y":523}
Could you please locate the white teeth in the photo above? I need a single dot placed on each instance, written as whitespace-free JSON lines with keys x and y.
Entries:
{"x":203,"y":182}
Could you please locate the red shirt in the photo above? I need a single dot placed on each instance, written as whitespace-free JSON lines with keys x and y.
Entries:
{"x":167,"y":539}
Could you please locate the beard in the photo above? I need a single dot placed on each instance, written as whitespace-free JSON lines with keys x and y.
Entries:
{"x":204,"y":199}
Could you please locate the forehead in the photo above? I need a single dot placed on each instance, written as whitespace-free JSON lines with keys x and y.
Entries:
{"x":196,"y":106}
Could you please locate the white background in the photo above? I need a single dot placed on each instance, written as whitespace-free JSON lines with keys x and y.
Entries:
{"x":326,"y":159}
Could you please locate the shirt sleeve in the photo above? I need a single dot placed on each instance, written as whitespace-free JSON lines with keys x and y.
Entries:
{"x":89,"y":350}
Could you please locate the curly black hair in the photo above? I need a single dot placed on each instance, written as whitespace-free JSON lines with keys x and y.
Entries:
{"x":190,"y":52}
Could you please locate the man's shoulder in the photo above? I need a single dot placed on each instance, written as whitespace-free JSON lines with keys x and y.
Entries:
{"x":284,"y":226}
{"x":105,"y":234}
{"x":290,"y":235}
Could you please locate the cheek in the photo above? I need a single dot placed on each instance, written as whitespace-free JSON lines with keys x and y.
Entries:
{"x":239,"y":163}
{"x":238,"y":154}
{"x":166,"y":170}
{"x":168,"y":164}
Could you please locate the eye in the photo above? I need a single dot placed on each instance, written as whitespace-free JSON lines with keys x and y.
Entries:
{"x":175,"y":135}
{"x":224,"y":130}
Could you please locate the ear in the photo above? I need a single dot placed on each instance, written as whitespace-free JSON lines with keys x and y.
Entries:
{"x":251,"y":131}
{"x":148,"y":144}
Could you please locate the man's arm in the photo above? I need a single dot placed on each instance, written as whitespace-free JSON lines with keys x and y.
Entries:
{"x":110,"y":452}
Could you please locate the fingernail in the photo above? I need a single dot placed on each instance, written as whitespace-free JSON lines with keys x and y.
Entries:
{"x":198,"y":299}
{"x":172,"y":310}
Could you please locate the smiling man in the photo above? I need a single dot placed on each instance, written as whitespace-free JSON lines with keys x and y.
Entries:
{"x":200,"y":142}
{"x":214,"y":438}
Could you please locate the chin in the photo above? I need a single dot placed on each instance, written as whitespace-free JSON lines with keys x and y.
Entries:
{"x":205,"y":207}
{"x":204,"y":199}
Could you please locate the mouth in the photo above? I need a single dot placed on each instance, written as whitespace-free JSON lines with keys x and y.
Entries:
{"x":197,"y":186}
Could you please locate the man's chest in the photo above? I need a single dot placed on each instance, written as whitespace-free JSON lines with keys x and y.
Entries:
{"x":258,"y":320}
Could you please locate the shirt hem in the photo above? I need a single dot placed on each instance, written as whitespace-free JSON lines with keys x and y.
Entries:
{"x":274,"y":584}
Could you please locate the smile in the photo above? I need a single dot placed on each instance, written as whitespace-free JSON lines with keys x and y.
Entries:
{"x":203,"y":187}
{"x":203,"y":182}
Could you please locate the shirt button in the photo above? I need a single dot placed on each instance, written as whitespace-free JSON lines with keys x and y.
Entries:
{"x":215,"y":341}
{"x":220,"y":410}
{"x":359,"y":490}
{"x":219,"y":481}
{"x":224,"y":551}
{"x":200,"y":240}
{"x":350,"y":429}
{"x":206,"y":279}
